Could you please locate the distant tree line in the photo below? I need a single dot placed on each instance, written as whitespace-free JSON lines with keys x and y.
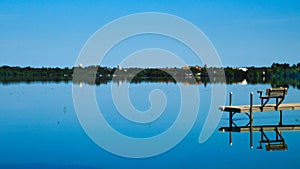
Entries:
{"x":277,"y":74}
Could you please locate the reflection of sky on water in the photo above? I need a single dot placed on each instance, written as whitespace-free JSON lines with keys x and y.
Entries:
{"x":38,"y":125}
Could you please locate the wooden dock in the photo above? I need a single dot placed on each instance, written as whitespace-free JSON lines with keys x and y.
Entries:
{"x":263,"y":107}
{"x":260,"y":128}
{"x":258,"y":108}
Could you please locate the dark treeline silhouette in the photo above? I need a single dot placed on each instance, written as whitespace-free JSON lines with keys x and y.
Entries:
{"x":276,"y":75}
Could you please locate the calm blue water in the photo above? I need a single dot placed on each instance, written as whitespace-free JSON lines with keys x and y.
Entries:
{"x":39,"y":129}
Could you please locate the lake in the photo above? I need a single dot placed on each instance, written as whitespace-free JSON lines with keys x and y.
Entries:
{"x":39,"y":128}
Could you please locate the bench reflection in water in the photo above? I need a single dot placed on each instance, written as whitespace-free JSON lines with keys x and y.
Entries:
{"x":277,"y":143}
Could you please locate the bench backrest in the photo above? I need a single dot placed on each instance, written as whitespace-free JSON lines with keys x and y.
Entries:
{"x":276,"y":92}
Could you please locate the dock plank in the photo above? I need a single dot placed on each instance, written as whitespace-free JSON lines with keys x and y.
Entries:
{"x":257,"y":108}
{"x":258,"y":128}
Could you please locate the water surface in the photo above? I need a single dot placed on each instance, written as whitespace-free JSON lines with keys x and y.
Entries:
{"x":39,"y":129}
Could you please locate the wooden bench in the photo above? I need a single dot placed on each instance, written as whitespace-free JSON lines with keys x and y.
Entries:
{"x":276,"y":93}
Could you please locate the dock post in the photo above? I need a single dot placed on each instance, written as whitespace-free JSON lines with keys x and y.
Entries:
{"x":230,"y":119}
{"x":230,"y":113}
{"x":280,"y":120}
{"x":251,"y":120}
{"x":230,"y":99}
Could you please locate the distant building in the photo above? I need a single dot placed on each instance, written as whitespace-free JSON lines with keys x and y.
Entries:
{"x":186,"y":67}
{"x":119,"y":67}
{"x":243,"y":69}
{"x":198,"y":67}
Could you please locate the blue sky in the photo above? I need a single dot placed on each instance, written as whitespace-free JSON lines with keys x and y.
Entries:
{"x":245,"y":33}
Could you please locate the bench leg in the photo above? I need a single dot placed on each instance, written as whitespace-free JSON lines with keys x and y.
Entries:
{"x":276,"y":108}
{"x":263,"y":103}
{"x":278,"y":102}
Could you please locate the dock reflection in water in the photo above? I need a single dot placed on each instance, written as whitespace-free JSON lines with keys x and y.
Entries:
{"x":277,"y":143}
